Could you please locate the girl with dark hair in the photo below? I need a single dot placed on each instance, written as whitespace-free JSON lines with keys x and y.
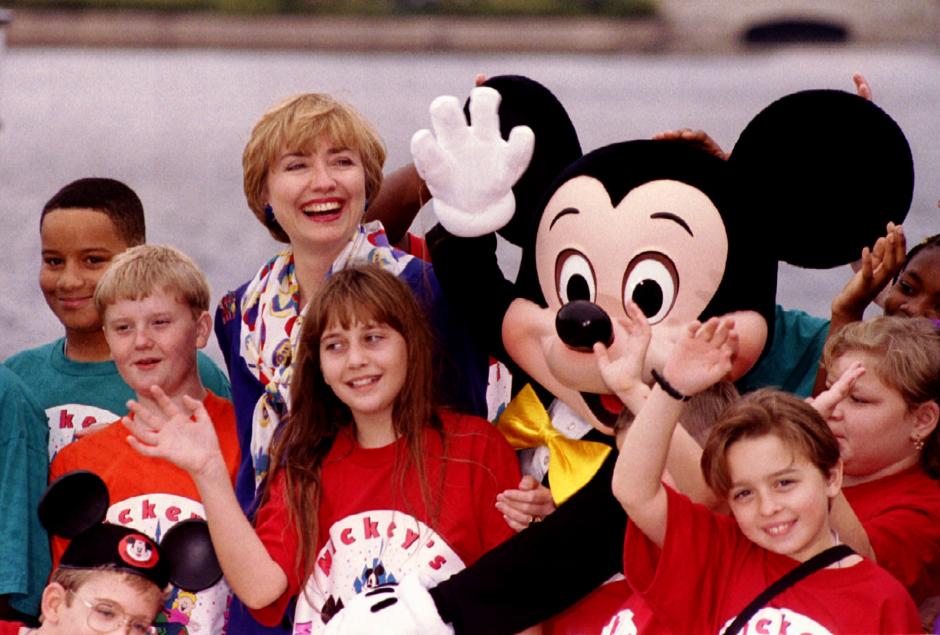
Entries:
{"x":370,"y":482}
{"x":916,"y":290}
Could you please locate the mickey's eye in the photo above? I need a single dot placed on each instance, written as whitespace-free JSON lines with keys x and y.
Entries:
{"x":574,"y":277}
{"x":651,"y":282}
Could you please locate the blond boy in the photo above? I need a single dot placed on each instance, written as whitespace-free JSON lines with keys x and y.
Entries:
{"x":154,"y":303}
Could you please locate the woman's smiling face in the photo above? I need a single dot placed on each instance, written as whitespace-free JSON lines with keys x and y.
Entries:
{"x":318,"y":195}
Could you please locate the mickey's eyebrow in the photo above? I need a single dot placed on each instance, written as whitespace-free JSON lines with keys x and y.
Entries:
{"x":675,"y":219}
{"x":564,"y":212}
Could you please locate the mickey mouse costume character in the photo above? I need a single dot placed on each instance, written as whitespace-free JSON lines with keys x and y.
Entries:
{"x":683,"y":234}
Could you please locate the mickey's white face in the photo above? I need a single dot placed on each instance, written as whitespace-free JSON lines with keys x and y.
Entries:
{"x":664,"y":247}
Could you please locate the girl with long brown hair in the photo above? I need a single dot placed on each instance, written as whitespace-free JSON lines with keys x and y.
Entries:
{"x":369,"y":483}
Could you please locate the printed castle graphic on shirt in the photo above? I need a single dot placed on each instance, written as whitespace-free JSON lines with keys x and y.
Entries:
{"x":184,"y":613}
{"x":366,"y":550}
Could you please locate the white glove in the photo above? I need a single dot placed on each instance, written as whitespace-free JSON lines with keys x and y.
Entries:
{"x":394,"y":609}
{"x":470,"y":170}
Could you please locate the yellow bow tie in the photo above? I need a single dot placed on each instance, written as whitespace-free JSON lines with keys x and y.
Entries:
{"x":572,"y":462}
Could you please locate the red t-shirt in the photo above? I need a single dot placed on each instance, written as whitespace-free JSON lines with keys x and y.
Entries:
{"x":708,"y":571}
{"x":151,"y":495}
{"x":372,"y":532}
{"x":901,"y":515}
{"x":10,"y":628}
{"x":591,"y":614}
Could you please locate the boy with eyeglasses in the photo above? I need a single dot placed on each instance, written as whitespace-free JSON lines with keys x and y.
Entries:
{"x":105,"y":583}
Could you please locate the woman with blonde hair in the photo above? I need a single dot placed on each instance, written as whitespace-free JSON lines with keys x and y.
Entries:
{"x":311,"y":166}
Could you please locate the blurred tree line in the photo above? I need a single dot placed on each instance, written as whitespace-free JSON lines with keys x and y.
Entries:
{"x":501,"y":8}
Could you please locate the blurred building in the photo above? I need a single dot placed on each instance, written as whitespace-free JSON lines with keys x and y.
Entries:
{"x":729,"y":24}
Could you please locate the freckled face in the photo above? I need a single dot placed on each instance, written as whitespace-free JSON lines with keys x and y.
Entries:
{"x":153,"y":341}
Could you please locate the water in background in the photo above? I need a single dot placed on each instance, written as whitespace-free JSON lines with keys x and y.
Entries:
{"x":172,"y":124}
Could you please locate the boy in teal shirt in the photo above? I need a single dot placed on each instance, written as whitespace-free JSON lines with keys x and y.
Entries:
{"x":82,"y":228}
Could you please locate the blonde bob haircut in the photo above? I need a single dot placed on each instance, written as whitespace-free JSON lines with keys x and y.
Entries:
{"x":297,"y":125}
{"x":138,"y":272}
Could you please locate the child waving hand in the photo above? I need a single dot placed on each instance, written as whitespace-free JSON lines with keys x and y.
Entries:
{"x":772,"y":458}
{"x":369,"y":483}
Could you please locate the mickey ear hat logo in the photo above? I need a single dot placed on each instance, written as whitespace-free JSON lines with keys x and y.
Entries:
{"x":75,"y":505}
{"x":138,"y":550}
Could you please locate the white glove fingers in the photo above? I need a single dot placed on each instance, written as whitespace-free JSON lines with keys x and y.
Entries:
{"x":484,"y":113}
{"x":426,"y":153}
{"x":519,"y":150}
{"x":450,"y":126}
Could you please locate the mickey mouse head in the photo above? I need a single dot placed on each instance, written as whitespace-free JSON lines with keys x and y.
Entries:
{"x":685,"y":235}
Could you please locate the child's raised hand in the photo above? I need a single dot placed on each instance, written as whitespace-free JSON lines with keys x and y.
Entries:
{"x":878,"y":266}
{"x":826,"y":401}
{"x":624,"y":375}
{"x":186,"y":439}
{"x":702,"y":356}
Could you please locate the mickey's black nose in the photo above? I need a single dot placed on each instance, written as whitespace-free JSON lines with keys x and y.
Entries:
{"x":581,"y":323}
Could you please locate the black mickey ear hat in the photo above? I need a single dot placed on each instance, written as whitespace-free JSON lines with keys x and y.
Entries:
{"x":74,"y":507}
{"x":187,"y":549}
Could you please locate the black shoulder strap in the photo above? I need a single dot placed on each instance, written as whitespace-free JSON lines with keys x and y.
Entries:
{"x":819,"y":561}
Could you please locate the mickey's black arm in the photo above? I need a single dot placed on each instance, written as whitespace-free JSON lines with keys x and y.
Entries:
{"x":542,"y":570}
{"x":473,"y":284}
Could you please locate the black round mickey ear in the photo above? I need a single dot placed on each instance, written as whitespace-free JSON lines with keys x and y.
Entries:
{"x":525,"y":102}
{"x":73,"y":503}
{"x":823,"y":171}
{"x":187,"y":549}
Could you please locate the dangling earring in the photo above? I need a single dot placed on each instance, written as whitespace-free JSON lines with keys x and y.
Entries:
{"x":269,"y":215}
{"x":918,"y":444}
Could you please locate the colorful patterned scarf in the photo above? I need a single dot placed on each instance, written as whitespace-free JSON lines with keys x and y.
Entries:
{"x":271,"y":325}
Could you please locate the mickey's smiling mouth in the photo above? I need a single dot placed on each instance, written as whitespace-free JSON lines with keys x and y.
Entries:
{"x":605,"y":407}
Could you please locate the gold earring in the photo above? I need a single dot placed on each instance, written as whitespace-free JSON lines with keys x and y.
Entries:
{"x":918,"y":444}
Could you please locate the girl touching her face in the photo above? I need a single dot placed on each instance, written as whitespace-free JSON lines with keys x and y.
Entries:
{"x":884,"y":377}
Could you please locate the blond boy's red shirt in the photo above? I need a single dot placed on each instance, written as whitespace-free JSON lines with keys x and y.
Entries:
{"x":138,"y":486}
